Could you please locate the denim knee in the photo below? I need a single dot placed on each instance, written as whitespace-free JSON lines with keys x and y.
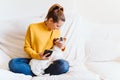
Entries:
{"x":59,"y":66}
{"x":20,"y":65}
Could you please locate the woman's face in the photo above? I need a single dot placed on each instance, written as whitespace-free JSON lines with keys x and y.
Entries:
{"x":54,"y":25}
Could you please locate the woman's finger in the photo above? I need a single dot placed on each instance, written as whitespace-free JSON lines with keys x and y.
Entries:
{"x":47,"y":54}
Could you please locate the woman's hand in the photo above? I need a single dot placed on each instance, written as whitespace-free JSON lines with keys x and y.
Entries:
{"x":44,"y":56}
{"x":60,"y":44}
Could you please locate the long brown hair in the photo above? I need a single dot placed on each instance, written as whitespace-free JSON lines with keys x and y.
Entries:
{"x":56,"y":12}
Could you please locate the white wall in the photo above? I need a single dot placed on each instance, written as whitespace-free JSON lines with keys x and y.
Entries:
{"x":20,"y":8}
{"x":101,"y":11}
{"x":99,"y":19}
{"x":96,"y":11}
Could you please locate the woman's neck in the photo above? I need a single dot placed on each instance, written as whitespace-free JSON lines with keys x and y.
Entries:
{"x":46,"y":24}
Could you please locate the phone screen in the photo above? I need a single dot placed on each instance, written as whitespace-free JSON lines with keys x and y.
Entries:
{"x":47,"y":51}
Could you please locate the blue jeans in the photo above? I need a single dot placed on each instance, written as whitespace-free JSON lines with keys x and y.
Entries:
{"x":59,"y":66}
{"x":20,"y":65}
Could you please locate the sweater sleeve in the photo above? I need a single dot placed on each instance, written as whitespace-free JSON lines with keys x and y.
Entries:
{"x":27,"y":46}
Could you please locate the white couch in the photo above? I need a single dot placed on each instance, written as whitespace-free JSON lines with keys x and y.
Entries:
{"x":89,"y":61}
{"x":103,"y":58}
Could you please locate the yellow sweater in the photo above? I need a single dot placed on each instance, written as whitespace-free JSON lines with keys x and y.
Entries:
{"x":38,"y":38}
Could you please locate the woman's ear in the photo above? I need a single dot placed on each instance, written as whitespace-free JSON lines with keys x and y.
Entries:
{"x":50,"y":20}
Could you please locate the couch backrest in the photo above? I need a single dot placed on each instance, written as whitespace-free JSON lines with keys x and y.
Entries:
{"x":12,"y":34}
{"x":102,"y":50}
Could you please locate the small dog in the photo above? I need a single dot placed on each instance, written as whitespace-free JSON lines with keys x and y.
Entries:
{"x":55,"y":65}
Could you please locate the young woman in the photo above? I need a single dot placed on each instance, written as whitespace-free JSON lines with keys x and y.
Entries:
{"x":39,"y":37}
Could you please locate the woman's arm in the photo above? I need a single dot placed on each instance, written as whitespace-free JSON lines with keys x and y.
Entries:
{"x":27,"y":46}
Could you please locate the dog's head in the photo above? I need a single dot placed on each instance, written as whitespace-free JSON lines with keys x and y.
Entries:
{"x":61,"y":39}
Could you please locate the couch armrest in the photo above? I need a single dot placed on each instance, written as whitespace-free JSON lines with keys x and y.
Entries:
{"x":4,"y":59}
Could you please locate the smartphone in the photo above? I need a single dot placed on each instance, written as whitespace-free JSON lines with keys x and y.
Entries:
{"x":47,"y":51}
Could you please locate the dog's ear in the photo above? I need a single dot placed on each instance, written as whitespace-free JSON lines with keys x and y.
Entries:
{"x":65,"y":39}
{"x":55,"y":39}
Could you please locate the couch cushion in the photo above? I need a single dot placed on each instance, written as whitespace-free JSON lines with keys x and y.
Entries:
{"x":106,"y":50}
{"x":8,"y":75}
{"x":4,"y":59}
{"x":107,"y":70}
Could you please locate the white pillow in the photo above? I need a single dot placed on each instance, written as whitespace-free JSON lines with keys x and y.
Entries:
{"x":74,"y":42}
{"x":4,"y":59}
{"x":106,"y":50}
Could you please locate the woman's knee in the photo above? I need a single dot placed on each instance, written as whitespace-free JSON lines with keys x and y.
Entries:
{"x":58,"y":67}
{"x":20,"y":65}
{"x":18,"y":61}
{"x":63,"y":65}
